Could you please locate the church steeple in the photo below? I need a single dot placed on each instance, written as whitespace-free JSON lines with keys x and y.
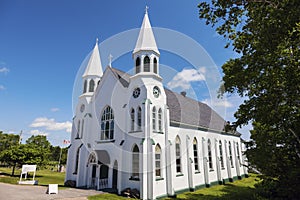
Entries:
{"x":145,"y":53}
{"x":93,"y":71}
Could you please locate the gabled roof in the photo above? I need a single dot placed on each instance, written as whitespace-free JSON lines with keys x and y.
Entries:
{"x":94,"y":67}
{"x":146,"y":39}
{"x":185,"y":111}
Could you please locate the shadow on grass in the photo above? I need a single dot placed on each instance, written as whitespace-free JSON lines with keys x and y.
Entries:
{"x":227,"y":192}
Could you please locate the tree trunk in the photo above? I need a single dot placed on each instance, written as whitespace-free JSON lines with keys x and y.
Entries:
{"x":13,"y":170}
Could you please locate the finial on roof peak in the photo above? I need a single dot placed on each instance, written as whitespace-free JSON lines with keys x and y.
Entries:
{"x":110,"y":60}
{"x":146,"y":10}
{"x":97,"y":40}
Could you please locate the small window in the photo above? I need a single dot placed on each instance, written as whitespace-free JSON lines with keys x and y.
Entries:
{"x":155,"y":65}
{"x":221,"y":154}
{"x":146,"y":64}
{"x":158,"y":161}
{"x":85,"y":86}
{"x":230,"y":154}
{"x":195,"y":149}
{"x":132,"y":117}
{"x":154,"y":118}
{"x":137,"y":65}
{"x":238,"y":152}
{"x":77,"y":161}
{"x":92,"y":85}
{"x":135,"y":162}
{"x":82,"y":128}
{"x":210,"y":163}
{"x":78,"y":130}
{"x":160,"y":120}
{"x":178,"y":156}
{"x":139,"y":115}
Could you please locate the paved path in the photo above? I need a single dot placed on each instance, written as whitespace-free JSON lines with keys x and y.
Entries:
{"x":26,"y":192}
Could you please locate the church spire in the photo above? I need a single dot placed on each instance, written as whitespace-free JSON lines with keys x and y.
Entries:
{"x":93,"y":72}
{"x":146,"y":40}
{"x":94,"y":67}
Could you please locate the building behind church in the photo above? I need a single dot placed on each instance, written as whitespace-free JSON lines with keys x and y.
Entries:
{"x":129,"y":131}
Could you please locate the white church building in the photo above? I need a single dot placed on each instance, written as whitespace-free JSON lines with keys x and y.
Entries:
{"x":129,"y":131}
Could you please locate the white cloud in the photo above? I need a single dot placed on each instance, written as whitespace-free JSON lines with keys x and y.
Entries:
{"x":54,"y":109}
{"x":184,"y":78}
{"x":2,"y":87}
{"x":4,"y":70}
{"x":51,"y":124}
{"x":38,"y":132}
{"x":218,"y":103}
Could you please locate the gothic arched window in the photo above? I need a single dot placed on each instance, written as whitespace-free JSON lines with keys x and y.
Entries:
{"x":139,"y":118}
{"x":92,"y":85}
{"x":210,"y":163}
{"x":85,"y":86}
{"x":230,"y":154}
{"x":78,"y":130}
{"x":196,"y":159}
{"x":154,"y":118}
{"x":135,"y":162}
{"x":146,"y":64}
{"x":77,"y":160}
{"x":155,"y":65}
{"x":107,"y":124}
{"x":178,"y":155}
{"x":137,"y":65}
{"x":160,"y":119}
{"x":132,"y":117}
{"x":221,"y":154}
{"x":157,"y":161}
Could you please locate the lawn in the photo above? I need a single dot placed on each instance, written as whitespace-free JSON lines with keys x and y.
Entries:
{"x":44,"y":177}
{"x":241,"y":189}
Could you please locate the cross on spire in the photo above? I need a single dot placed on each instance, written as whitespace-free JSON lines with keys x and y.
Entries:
{"x":110,"y":59}
{"x":146,"y":9}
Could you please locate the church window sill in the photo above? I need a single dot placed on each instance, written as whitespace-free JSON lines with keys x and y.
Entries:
{"x":159,"y":178}
{"x":158,"y":132}
{"x":197,"y":172}
{"x":77,"y":138}
{"x":134,"y":178}
{"x":211,"y":170}
{"x":178,"y":175}
{"x":138,"y":131}
{"x":105,"y":141}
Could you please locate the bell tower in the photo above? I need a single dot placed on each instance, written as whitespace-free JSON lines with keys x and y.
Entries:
{"x":93,"y":72}
{"x":145,"y":53}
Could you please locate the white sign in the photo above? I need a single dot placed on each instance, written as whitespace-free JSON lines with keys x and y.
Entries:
{"x":28,"y":168}
{"x":25,"y":170}
{"x":53,"y":189}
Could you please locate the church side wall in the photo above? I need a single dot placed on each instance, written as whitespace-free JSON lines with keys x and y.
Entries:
{"x":190,"y":179}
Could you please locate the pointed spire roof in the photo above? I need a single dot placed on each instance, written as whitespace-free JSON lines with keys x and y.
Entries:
{"x":146,"y":39}
{"x":94,"y":67}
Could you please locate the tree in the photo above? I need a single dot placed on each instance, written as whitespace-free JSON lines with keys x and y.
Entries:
{"x":18,"y":155}
{"x":266,"y":36}
{"x":7,"y":140}
{"x":42,"y":146}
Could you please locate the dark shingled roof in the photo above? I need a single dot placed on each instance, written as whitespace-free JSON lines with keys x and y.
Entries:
{"x":184,"y":111}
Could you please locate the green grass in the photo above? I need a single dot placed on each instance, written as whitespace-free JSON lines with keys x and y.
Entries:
{"x":241,"y":189}
{"x":44,"y":177}
{"x":106,"y":197}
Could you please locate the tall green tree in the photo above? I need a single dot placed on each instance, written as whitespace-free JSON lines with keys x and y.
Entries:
{"x":42,"y":146}
{"x":266,"y":36}
{"x":7,"y":140}
{"x":16,"y":156}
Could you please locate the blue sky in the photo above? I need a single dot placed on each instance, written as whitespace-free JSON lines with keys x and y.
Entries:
{"x":44,"y":42}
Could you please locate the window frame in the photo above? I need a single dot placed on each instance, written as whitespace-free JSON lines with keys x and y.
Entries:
{"x":107,"y":124}
{"x":178,"y":155}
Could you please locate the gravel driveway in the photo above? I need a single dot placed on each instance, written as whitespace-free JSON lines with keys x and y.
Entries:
{"x":26,"y":192}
